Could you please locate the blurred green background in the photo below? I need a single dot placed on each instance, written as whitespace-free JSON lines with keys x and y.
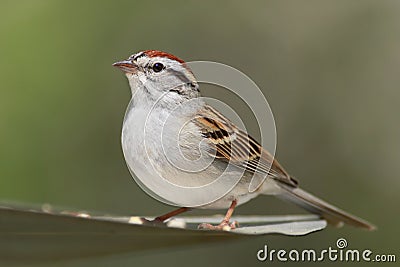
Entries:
{"x":329,"y":69}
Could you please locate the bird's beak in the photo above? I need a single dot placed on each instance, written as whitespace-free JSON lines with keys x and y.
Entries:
{"x":126,"y":66}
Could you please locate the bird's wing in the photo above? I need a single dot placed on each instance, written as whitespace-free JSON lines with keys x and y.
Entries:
{"x":240,"y":149}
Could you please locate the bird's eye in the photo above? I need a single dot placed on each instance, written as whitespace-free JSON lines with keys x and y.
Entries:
{"x":157,"y":67}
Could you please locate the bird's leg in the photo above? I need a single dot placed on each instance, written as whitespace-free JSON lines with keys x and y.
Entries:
{"x":170,"y":214}
{"x":224,"y":225}
{"x":160,"y":220}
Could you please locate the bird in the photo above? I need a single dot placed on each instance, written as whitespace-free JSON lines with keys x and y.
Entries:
{"x":171,"y":135}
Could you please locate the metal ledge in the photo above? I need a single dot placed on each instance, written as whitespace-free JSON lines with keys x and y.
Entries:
{"x":28,"y":235}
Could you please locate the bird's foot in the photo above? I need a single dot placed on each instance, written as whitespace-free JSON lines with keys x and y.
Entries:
{"x":223,"y":226}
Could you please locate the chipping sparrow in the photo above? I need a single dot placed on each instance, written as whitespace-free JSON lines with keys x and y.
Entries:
{"x":168,"y":126}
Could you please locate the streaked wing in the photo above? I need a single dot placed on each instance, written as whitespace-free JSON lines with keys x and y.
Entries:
{"x":240,"y":149}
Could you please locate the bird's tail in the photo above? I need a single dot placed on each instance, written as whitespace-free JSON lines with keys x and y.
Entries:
{"x":327,"y":211}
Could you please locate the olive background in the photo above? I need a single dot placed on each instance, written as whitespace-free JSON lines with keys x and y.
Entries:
{"x":329,"y":69}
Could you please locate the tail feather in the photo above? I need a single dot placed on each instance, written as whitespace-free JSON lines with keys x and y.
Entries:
{"x":327,"y":211}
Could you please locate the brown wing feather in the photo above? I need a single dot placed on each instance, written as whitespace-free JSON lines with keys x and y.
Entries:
{"x":240,"y":149}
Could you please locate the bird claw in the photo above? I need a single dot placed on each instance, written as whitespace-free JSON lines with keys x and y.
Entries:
{"x":223,"y":226}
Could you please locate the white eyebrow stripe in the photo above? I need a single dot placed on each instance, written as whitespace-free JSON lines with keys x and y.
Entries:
{"x":138,"y":55}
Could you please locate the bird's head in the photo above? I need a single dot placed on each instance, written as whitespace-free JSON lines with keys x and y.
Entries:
{"x":158,"y":73}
